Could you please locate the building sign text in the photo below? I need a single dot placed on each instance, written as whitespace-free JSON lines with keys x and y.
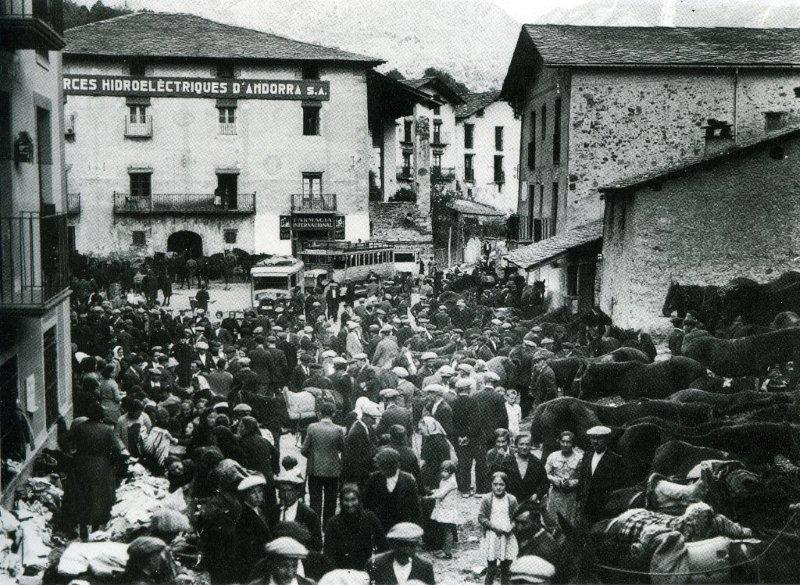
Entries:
{"x":272,"y":89}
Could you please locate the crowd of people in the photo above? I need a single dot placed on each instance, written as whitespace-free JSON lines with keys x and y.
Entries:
{"x":395,"y":411}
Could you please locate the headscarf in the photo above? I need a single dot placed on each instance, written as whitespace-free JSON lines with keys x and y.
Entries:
{"x":430,"y":426}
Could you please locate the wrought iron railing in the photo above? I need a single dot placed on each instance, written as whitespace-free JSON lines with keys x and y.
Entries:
{"x":227,"y":128}
{"x":316,"y":202}
{"x":184,"y":204}
{"x":73,"y":203}
{"x":443,"y":174}
{"x":34,"y":260}
{"x":139,"y":128}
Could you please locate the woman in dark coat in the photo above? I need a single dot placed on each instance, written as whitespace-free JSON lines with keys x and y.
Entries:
{"x":435,"y":449}
{"x":91,"y":482}
{"x":227,"y":442}
{"x":259,"y":455}
{"x":353,"y":534}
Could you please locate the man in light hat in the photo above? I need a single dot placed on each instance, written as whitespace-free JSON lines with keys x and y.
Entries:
{"x":599,"y":474}
{"x":401,"y":564}
{"x":387,"y":349}
{"x":363,"y":374}
{"x":439,"y":408}
{"x":284,"y":554}
{"x":394,"y":414}
{"x":292,"y":508}
{"x":359,"y":445}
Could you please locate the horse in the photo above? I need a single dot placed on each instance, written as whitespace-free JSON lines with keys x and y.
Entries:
{"x":636,"y":380}
{"x":703,"y":301}
{"x":759,"y":303}
{"x":746,"y":356}
{"x":568,"y":368}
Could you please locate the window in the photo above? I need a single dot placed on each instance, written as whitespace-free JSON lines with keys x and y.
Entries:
{"x":557,"y":132}
{"x":407,"y":164}
{"x":479,"y":113}
{"x":498,"y":138}
{"x":227,"y":190}
{"x":50,"y":377}
{"x":531,"y":210}
{"x":774,"y":121}
{"x":310,"y":71}
{"x":267,"y":282}
{"x":437,"y":132}
{"x":137,"y":114}
{"x":44,"y":155}
{"x":469,"y":170}
{"x":544,"y":121}
{"x":437,"y":160}
{"x":532,"y":143}
{"x":554,"y":209}
{"x":227,"y":115}
{"x":499,"y":175}
{"x":312,"y":186}
{"x":718,"y":129}
{"x":140,"y":184}
{"x":230,"y":236}
{"x":6,"y":142}
{"x":138,"y":239}
{"x":437,"y":110}
{"x":225,"y":70}
{"x":137,"y":69}
{"x":311,"y":120}
{"x":469,"y":135}
{"x":407,"y":127}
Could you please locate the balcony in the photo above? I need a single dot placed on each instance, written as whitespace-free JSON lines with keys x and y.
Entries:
{"x":34,"y":262}
{"x":227,"y":128}
{"x":440,"y":139}
{"x":73,"y":203}
{"x":302,"y":203}
{"x":184,"y":204}
{"x":32,"y":24}
{"x":140,"y":128}
{"x":404,"y":174}
{"x":443,"y":175}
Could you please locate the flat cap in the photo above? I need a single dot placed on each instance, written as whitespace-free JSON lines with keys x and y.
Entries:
{"x":386,"y":329}
{"x":251,"y":481}
{"x":491,"y":376}
{"x":428,"y":355}
{"x":404,"y":531}
{"x":339,"y":360}
{"x":466,"y":368}
{"x":286,"y":546}
{"x":329,"y":353}
{"x":446,"y":371}
{"x":242,"y":407}
{"x":531,"y":569}
{"x":599,"y":431}
{"x":201,"y":345}
{"x":360,"y":356}
{"x":389,"y":393}
{"x":400,"y":372}
{"x":371,"y":409}
{"x":542,"y":354}
{"x":435,"y":388}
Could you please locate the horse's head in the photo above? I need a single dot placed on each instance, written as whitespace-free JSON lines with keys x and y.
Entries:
{"x":585,"y":383}
{"x":673,"y":300}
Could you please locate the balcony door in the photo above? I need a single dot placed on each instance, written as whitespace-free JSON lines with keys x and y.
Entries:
{"x":228,"y":189}
{"x":312,"y":189}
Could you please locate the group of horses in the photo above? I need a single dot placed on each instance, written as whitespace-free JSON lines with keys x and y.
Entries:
{"x":668,"y":416}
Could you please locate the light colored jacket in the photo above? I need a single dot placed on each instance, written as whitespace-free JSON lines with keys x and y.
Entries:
{"x":323,"y":447}
{"x":485,"y":512}
{"x":353,"y":344}
{"x":385,"y":353}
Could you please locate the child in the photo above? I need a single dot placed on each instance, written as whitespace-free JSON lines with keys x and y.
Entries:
{"x":495,"y":517}
{"x":497,"y":455}
{"x":513,"y":410}
{"x":445,"y":513}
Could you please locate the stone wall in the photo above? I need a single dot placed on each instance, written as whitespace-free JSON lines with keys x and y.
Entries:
{"x":737,"y":218}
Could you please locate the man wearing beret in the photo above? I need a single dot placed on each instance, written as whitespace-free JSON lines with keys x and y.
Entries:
{"x":401,"y":564}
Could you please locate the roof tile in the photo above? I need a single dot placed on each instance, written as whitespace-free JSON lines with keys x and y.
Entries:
{"x":542,"y":252}
{"x":475,"y":102}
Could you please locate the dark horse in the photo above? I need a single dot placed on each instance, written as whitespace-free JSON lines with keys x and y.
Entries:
{"x":704,"y":301}
{"x":759,"y":303}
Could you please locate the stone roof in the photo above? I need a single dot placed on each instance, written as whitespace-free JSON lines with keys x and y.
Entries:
{"x":178,"y":35}
{"x":659,"y":174}
{"x":399,"y":222}
{"x":564,"y":45}
{"x":475,"y":102}
{"x":474,"y":208}
{"x":439,"y":85}
{"x":534,"y":255}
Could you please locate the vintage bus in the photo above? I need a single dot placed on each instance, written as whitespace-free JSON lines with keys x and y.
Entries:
{"x":347,"y":261}
{"x":406,"y":260}
{"x":275,"y":278}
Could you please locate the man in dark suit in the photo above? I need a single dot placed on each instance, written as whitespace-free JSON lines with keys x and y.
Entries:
{"x":359,"y":448}
{"x":600,"y":474}
{"x":261,"y":364}
{"x":301,"y":372}
{"x":466,"y":434}
{"x":401,"y":564}
{"x":491,"y":408}
{"x":525,"y":471}
{"x":394,"y":414}
{"x":288,"y":349}
{"x":280,"y":367}
{"x":363,"y":374}
{"x":390,"y":493}
{"x":440,"y":409}
{"x":291,"y":486}
{"x":323,"y":446}
{"x":252,"y":527}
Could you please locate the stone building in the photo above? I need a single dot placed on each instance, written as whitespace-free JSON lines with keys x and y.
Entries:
{"x":733,"y":214}
{"x":487,"y":135}
{"x":245,"y":140}
{"x":35,"y":342}
{"x":600,"y":104}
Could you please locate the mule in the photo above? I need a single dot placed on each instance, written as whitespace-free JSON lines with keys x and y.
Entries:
{"x":636,"y":380}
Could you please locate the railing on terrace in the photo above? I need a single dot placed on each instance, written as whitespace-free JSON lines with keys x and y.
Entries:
{"x":34,"y":260}
{"x":316,"y":202}
{"x":73,"y":203}
{"x":443,"y":174}
{"x":141,"y":128}
{"x":184,"y":204}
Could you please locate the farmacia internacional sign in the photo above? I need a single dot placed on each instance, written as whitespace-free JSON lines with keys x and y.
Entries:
{"x":272,"y":89}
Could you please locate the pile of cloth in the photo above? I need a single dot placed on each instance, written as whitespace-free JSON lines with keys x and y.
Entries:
{"x":26,"y":536}
{"x":137,"y":499}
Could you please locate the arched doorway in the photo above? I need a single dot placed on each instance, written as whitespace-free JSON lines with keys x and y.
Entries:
{"x":186,"y":242}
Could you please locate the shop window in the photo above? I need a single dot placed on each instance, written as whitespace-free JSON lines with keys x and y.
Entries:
{"x":311,"y":120}
{"x":50,"y":376}
{"x":231,"y":236}
{"x":140,"y":184}
{"x":138,"y":239}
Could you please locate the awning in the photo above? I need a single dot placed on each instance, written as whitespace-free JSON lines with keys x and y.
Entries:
{"x":474,"y":208}
{"x":535,"y":255}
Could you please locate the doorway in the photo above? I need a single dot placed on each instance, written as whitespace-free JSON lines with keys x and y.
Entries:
{"x":228,"y":189}
{"x":185,"y":242}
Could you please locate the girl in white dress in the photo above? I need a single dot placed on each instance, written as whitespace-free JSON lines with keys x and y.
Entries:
{"x":495,"y":517}
{"x":445,"y":513}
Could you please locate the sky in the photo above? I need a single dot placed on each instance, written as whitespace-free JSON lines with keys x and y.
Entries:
{"x":529,"y":10}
